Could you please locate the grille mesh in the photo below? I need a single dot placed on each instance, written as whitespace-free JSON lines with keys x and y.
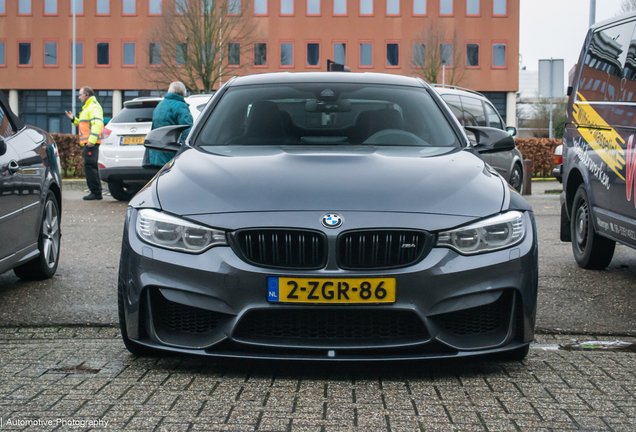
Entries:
{"x":380,"y":249}
{"x":172,"y":316}
{"x":478,"y":320}
{"x":333,"y":325}
{"x":283,"y":248}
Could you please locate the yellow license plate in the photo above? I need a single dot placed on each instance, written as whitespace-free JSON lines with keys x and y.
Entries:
{"x":332,"y":290}
{"x":133,"y":140}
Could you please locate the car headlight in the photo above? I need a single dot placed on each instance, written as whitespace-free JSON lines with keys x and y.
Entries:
{"x":170,"y":232}
{"x":492,"y":234}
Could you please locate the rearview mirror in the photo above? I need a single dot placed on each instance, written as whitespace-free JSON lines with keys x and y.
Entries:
{"x":165,"y":139}
{"x":491,"y":140}
{"x":327,"y":106}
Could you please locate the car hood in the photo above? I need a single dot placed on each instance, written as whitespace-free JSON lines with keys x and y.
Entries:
{"x":388,"y":179}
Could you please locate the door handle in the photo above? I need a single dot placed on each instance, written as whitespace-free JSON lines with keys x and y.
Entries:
{"x":13,"y":167}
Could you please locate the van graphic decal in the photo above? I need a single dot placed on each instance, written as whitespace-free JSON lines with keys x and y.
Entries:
{"x":631,"y":170}
{"x":606,"y":142}
{"x":581,"y":149}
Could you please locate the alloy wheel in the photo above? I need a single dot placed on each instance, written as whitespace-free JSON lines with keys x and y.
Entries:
{"x":51,"y":234}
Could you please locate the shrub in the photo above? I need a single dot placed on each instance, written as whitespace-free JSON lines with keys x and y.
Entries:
{"x":541,"y":152}
{"x":70,"y":154}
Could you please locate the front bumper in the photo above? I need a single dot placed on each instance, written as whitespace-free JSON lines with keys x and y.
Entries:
{"x":215,"y":304}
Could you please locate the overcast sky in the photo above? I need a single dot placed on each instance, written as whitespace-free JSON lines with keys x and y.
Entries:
{"x":557,"y":28}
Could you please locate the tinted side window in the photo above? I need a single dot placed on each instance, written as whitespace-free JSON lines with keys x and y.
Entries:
{"x":602,"y":74}
{"x":134,"y":115}
{"x":455,"y":105}
{"x":6,"y":129}
{"x":493,"y":117}
{"x":473,"y":112}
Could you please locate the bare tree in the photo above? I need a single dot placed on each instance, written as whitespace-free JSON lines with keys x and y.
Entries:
{"x":199,"y":42}
{"x":627,"y":6}
{"x":438,"y":46}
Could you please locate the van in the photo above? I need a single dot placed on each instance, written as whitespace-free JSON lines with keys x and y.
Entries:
{"x":598,"y":203}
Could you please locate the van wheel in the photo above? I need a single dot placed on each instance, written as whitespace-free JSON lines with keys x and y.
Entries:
{"x":591,"y":251}
{"x":516,"y":178}
{"x":44,"y":265}
{"x":121,"y":191}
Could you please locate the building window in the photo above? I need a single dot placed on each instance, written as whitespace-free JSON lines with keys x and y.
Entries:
{"x":207,"y":52}
{"x":24,"y":54}
{"x":154,"y":7}
{"x":3,"y":56}
{"x":154,"y":54}
{"x":313,"y":7}
{"x":499,"y":55}
{"x":24,"y":7}
{"x":181,"y":6}
{"x":181,"y":54}
{"x":392,"y":7}
{"x":286,"y":54}
{"x":260,"y":7}
{"x":260,"y":54}
{"x":393,"y":55}
{"x":129,"y":7}
{"x":129,"y":54}
{"x":340,"y":53}
{"x":313,"y":54}
{"x":50,"y":7}
{"x":286,"y":7}
{"x":79,"y":7}
{"x":103,"y":54}
{"x":445,"y":7}
{"x":472,"y":7}
{"x":419,"y":7}
{"x":2,"y":8}
{"x":339,"y":7}
{"x":472,"y":55}
{"x":79,"y":54}
{"x":366,"y":7}
{"x":366,"y":54}
{"x":500,"y":7}
{"x":103,"y":7}
{"x":234,"y":54}
{"x":50,"y":53}
{"x":233,"y":7}
{"x":419,"y":54}
{"x":446,"y":54}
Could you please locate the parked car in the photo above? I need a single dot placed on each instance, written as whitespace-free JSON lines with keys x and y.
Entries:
{"x":328,"y":216}
{"x":558,"y":163}
{"x":30,"y":198}
{"x":598,"y":203}
{"x":122,"y":148}
{"x":474,"y":109}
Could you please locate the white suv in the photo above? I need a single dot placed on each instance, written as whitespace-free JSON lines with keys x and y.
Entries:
{"x":474,"y":109}
{"x":122,"y":148}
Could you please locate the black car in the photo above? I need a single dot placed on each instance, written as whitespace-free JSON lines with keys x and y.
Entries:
{"x":328,"y":216}
{"x":30,"y":198}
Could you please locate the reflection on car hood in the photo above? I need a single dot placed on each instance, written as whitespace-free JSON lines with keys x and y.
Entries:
{"x":240,"y":179}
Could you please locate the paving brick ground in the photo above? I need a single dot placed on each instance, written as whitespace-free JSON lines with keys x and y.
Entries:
{"x":85,"y":374}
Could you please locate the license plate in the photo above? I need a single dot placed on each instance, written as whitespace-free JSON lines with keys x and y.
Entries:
{"x":132,"y":140}
{"x":332,"y":290}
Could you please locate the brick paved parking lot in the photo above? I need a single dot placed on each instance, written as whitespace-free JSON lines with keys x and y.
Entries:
{"x":63,"y":375}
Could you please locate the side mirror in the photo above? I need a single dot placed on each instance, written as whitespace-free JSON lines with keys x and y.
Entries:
{"x":491,"y":140}
{"x":511,"y":130}
{"x":165,"y":139}
{"x":3,"y":146}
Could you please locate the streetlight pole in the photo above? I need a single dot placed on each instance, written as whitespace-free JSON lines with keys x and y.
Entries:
{"x":74,"y":62}
{"x":592,"y":12}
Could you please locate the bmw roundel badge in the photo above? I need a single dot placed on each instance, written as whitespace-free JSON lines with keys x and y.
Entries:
{"x":331,"y":220}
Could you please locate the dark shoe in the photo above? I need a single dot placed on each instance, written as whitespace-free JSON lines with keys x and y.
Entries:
{"x":91,"y":197}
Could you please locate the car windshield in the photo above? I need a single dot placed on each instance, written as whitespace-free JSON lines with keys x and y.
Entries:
{"x":134,"y":114}
{"x":318,"y":114}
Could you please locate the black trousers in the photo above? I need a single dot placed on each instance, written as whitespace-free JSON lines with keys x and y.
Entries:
{"x":90,"y":155}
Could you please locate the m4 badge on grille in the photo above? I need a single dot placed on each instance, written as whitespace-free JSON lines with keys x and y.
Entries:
{"x":331,"y":220}
{"x":408,"y":246}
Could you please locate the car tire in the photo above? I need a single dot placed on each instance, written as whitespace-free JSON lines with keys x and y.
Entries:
{"x":45,"y":264}
{"x":516,"y":178}
{"x":132,"y":346}
{"x":517,"y":354}
{"x":591,"y":251}
{"x":122,"y":191}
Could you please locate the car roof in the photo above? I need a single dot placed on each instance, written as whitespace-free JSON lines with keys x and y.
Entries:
{"x":326,"y":77}
{"x":456,"y":91}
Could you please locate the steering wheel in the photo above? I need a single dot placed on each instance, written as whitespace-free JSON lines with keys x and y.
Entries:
{"x":395,"y":137}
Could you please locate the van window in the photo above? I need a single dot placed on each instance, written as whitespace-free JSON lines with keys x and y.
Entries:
{"x":603,"y":64}
{"x":493,"y":117}
{"x":473,"y":112}
{"x":455,"y":105}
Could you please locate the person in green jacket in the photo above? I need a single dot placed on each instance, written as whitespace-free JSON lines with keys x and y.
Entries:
{"x":172,"y":110}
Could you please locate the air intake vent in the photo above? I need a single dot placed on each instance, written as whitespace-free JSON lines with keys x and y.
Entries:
{"x":380,"y":249}
{"x":282,"y":248}
{"x":479,"y":320}
{"x":176,"y":317}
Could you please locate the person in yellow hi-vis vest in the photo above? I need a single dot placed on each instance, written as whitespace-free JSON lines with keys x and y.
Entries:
{"x":91,"y":123}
